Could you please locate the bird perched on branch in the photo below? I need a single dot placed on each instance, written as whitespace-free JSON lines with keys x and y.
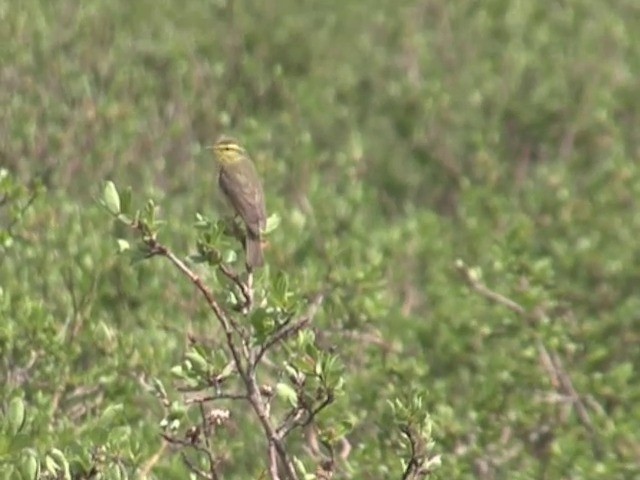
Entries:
{"x":241,"y":186}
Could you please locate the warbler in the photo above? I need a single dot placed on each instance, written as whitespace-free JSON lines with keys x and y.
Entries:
{"x":241,"y":185}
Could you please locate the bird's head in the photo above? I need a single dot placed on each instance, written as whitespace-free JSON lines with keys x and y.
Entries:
{"x":228,"y":150}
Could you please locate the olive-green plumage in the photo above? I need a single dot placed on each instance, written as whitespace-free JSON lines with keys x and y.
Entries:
{"x":241,"y":185}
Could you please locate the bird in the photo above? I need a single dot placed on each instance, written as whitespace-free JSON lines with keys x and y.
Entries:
{"x":240,"y":184}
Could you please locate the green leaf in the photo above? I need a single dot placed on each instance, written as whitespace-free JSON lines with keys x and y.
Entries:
{"x":123,"y":245}
{"x":29,"y":464}
{"x":110,"y":198}
{"x":196,"y":258}
{"x":158,"y":387}
{"x":229,"y":256}
{"x":150,"y":212}
{"x":198,"y":361}
{"x":138,"y":255}
{"x":202,"y":222}
{"x":50,"y":465}
{"x":178,"y":372}
{"x":125,"y":201}
{"x":61,"y":461}
{"x":16,"y":415}
{"x":111,"y":412}
{"x":280,"y":290}
{"x":177,"y":410}
{"x":300,"y":467}
{"x":262,"y":323}
{"x":125,"y":219}
{"x":273,"y":222}
{"x":287,"y":393}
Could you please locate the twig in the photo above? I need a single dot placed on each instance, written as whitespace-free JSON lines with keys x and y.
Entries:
{"x":248,"y":375}
{"x":412,"y":464}
{"x":291,"y":329}
{"x":295,"y":417}
{"x":250,"y":290}
{"x":245,"y":288}
{"x":149,"y":464}
{"x":192,"y":468}
{"x":275,"y":441}
{"x":273,"y":462}
{"x":487,"y":293}
{"x":371,"y":338}
{"x":313,"y":413}
{"x":190,"y":443}
{"x":581,"y":410}
{"x":206,"y":432}
{"x":155,"y":248}
{"x":550,"y":360}
{"x":213,"y":398}
{"x":33,"y":195}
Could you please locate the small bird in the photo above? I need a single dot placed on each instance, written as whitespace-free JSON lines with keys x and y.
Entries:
{"x":241,"y":185}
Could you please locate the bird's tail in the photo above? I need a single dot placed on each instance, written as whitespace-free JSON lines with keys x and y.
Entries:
{"x":253,"y":251}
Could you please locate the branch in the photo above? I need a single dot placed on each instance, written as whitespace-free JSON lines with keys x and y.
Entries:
{"x":206,"y":432}
{"x":21,"y":212}
{"x":290,"y":329}
{"x":156,"y":248}
{"x":550,"y":360}
{"x":413,"y":469}
{"x":213,"y":398}
{"x":245,"y":288}
{"x":294,"y":419}
{"x":275,"y":441}
{"x":189,"y":443}
{"x":484,"y":291}
{"x":566,"y":386}
{"x":146,"y":468}
{"x":247,"y":374}
{"x":273,"y":462}
{"x":192,"y":468}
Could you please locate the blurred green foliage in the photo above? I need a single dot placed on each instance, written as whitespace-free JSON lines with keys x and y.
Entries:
{"x":393,"y":138}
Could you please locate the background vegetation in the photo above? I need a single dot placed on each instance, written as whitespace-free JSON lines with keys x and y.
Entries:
{"x":459,"y":178}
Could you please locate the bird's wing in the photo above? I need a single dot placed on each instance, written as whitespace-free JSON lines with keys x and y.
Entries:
{"x":246,"y":197}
